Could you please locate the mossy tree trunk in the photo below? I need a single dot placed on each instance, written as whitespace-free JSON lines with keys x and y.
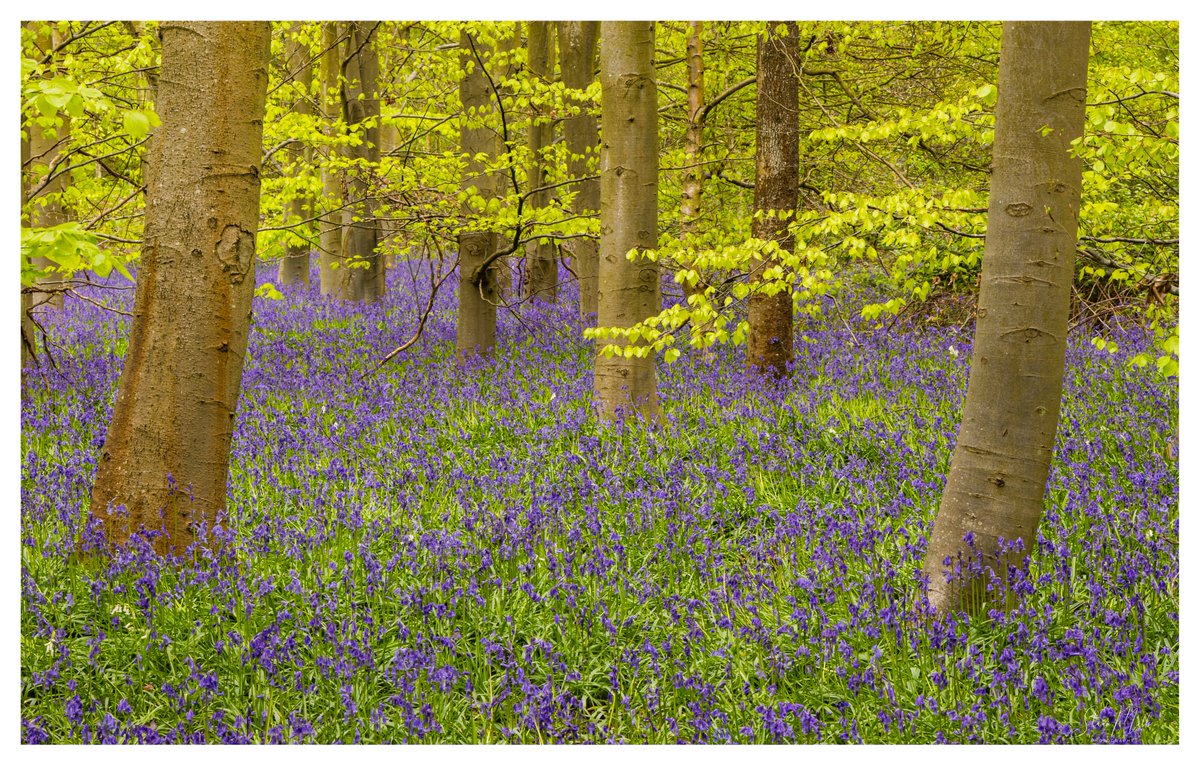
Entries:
{"x":165,"y":459}
{"x":629,"y":290}
{"x":997,"y":480}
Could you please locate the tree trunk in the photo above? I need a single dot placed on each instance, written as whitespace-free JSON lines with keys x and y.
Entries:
{"x":577,"y":57}
{"x":361,"y":267}
{"x":997,"y":480}
{"x":166,"y":454}
{"x":541,"y":270}
{"x":776,"y":192}
{"x":477,"y":303}
{"x":332,"y":216}
{"x":629,"y":290}
{"x":509,"y":70}
{"x":45,"y":147}
{"x":28,"y":331}
{"x":148,"y":97}
{"x":294,"y":267}
{"x":693,"y":138}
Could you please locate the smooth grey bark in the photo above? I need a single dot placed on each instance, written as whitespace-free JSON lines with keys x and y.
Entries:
{"x":693,"y":139}
{"x":165,"y":460}
{"x":28,"y":331}
{"x":332,"y":213}
{"x":997,"y":480}
{"x":361,"y":268}
{"x":294,"y":267}
{"x":45,"y":148}
{"x":541,"y":261}
{"x":776,"y":192}
{"x":629,"y":291}
{"x":476,"y":329}
{"x":581,"y":134}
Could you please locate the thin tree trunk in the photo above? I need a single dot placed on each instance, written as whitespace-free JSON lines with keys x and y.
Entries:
{"x":476,"y":332}
{"x":629,"y":290}
{"x":45,"y":147}
{"x":361,"y":267}
{"x":28,"y":331}
{"x":997,"y":481}
{"x":166,"y":454}
{"x":581,"y":133}
{"x":389,"y":137}
{"x":776,"y":192}
{"x":509,"y":69}
{"x":541,"y":270}
{"x":693,"y":138}
{"x":148,"y":96}
{"x":294,"y":266}
{"x":332,"y":217}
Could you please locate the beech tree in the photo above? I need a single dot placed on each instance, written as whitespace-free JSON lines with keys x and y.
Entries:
{"x":629,"y":289}
{"x":476,"y":329}
{"x":776,"y":193}
{"x":294,"y":266}
{"x":997,"y":481}
{"x":581,"y":134}
{"x":541,"y":271}
{"x":165,"y":460}
{"x":361,"y":266}
{"x":45,"y":153}
{"x":332,"y":216}
{"x":693,"y":184}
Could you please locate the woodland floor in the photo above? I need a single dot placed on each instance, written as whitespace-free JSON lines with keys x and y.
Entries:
{"x":463,"y":554}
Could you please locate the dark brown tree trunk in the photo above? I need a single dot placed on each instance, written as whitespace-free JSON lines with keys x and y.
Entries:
{"x":332,"y":216}
{"x":776,"y":192}
{"x":629,"y":290}
{"x":361,"y":267}
{"x":541,"y":271}
{"x":294,"y":267}
{"x":166,"y":454}
{"x":581,"y":133}
{"x":476,"y":332}
{"x":997,"y":480}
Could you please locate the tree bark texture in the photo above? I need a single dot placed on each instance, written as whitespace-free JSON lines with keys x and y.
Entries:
{"x":148,"y":96}
{"x":165,"y":458}
{"x":693,"y":138}
{"x":361,"y":267}
{"x":581,"y":133}
{"x":294,"y":267}
{"x":332,"y":216}
{"x":998,"y":471}
{"x":541,"y":269}
{"x":28,"y":331}
{"x":629,"y":291}
{"x":45,"y":148}
{"x":476,"y":332}
{"x":776,"y":192}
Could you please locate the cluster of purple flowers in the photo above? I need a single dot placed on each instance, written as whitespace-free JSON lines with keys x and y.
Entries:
{"x":448,"y":551}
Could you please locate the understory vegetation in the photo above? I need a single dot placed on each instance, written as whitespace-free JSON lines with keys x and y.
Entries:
{"x":445,"y":551}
